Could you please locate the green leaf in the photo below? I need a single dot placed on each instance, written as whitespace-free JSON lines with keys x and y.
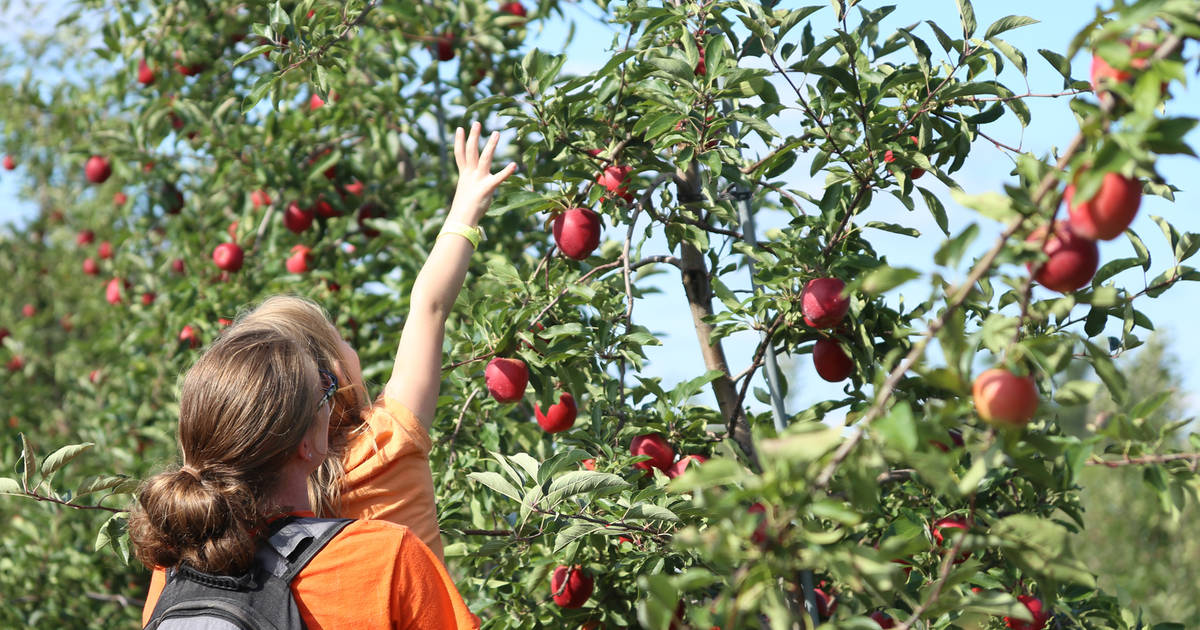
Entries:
{"x":570,"y":534}
{"x":265,"y":83}
{"x":936,"y":209}
{"x":673,"y":67}
{"x":649,"y":511}
{"x":990,"y":204}
{"x":113,"y":531}
{"x":59,"y":458}
{"x":496,"y":482}
{"x":1076,"y":393}
{"x":966,"y":14}
{"x":1008,"y":23}
{"x":885,"y":279}
{"x":1102,"y":363}
{"x":118,"y":484}
{"x":576,"y":482}
{"x":898,"y":428}
{"x":1060,"y":63}
{"x":10,"y":486}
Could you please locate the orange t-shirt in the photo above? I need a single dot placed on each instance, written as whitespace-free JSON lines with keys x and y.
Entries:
{"x":373,"y":574}
{"x":387,"y":473}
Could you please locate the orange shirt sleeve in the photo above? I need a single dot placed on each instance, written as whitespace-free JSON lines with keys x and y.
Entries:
{"x":158,"y":580}
{"x":388,"y":476}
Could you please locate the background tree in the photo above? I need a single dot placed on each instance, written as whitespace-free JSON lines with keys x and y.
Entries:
{"x":227,"y":151}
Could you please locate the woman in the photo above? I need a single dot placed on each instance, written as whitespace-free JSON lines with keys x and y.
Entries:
{"x":253,"y":424}
{"x":378,"y":466}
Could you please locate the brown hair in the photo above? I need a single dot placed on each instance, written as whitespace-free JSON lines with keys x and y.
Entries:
{"x":244,"y":408}
{"x":305,"y":321}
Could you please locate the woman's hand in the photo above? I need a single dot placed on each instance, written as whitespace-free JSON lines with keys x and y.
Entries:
{"x":476,"y":182}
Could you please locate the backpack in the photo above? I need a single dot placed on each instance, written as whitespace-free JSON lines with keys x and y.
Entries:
{"x":260,"y":599}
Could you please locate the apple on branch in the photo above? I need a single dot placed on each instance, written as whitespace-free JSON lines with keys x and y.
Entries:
{"x":97,"y":169}
{"x":1071,"y":258}
{"x":559,"y":416}
{"x":577,"y":233}
{"x":228,"y":257}
{"x":571,"y":586}
{"x":506,"y":379}
{"x":661,"y":454}
{"x":1005,"y":399}
{"x":1106,"y":215}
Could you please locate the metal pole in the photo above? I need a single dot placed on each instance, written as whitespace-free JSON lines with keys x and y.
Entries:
{"x":746,"y":217}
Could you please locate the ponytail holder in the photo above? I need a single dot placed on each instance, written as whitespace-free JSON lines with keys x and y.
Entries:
{"x":187,"y":468}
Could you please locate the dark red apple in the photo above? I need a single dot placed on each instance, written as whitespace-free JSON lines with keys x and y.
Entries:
{"x":177,"y":265}
{"x":85,"y":237}
{"x":680,"y":466}
{"x":189,"y":336}
{"x":661,"y":454}
{"x":1106,"y":215}
{"x":1005,"y":399}
{"x":577,"y":232}
{"x":443,"y":46}
{"x":615,"y":179}
{"x":1072,"y":259}
{"x":148,"y":298}
{"x":1040,"y":616}
{"x":145,"y":73}
{"x":15,"y":364}
{"x":832,"y":363}
{"x":513,"y":8}
{"x":759,"y":536}
{"x":950,"y":523}
{"x":323,"y":208}
{"x":559,"y":416}
{"x":297,"y":219}
{"x":369,"y":211}
{"x":105,"y":250}
{"x":97,"y":169}
{"x":298,"y":261}
{"x":90,"y":267}
{"x":571,"y":586}
{"x":822,"y":302}
{"x":882,"y":619}
{"x":260,"y":198}
{"x":506,"y":379}
{"x":826,"y":603}
{"x":115,"y":289}
{"x":228,"y":256}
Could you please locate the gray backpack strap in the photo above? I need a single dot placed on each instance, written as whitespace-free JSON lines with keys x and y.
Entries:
{"x":294,"y":545}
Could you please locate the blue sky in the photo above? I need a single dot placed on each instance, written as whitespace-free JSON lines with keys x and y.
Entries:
{"x":987,"y":170}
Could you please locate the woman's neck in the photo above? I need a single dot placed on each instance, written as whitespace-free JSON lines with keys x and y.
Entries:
{"x":292,"y":492}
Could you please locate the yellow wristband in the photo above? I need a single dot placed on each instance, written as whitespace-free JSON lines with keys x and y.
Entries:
{"x":472,"y":234}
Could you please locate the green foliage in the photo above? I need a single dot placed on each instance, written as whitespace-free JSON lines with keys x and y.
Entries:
{"x":867,"y":111}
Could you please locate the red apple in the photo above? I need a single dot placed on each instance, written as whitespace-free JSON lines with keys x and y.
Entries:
{"x":513,"y":8}
{"x":882,"y":619}
{"x":680,"y":466}
{"x":1005,"y":399}
{"x":298,"y":261}
{"x":94,"y":376}
{"x":15,"y":364}
{"x":577,"y":232}
{"x":315,"y":102}
{"x":105,"y":250}
{"x":323,"y":208}
{"x":759,"y":537}
{"x":119,"y":199}
{"x":832,"y":363}
{"x":90,"y":267}
{"x":97,"y":170}
{"x":9,"y":163}
{"x":955,"y":438}
{"x":826,"y":603}
{"x":950,"y":523}
{"x":145,"y":73}
{"x":113,"y":292}
{"x":28,"y":310}
{"x":3,"y":333}
{"x":189,"y":336}
{"x":85,"y":237}
{"x":916,"y":172}
{"x":444,"y":46}
{"x":571,"y":587}
{"x":559,"y":416}
{"x":148,"y":298}
{"x":701,"y":68}
{"x":177,"y":265}
{"x":1036,"y":609}
{"x":589,"y":463}
{"x":889,"y":157}
{"x":223,"y":322}
{"x":615,"y":179}
{"x":1106,"y":215}
{"x":822,"y":302}
{"x":662,"y":455}
{"x":1072,"y":259}
{"x":260,"y":198}
{"x":354,"y":188}
{"x":297,"y":219}
{"x":1102,"y":72}
{"x":228,"y":256}
{"x":506,"y":379}
{"x":369,"y":211}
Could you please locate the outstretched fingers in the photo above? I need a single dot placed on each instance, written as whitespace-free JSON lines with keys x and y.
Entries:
{"x":472,"y":154}
{"x":485,"y":159}
{"x":460,"y":147}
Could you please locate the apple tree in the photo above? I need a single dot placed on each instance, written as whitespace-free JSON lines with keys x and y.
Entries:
{"x":191,"y":157}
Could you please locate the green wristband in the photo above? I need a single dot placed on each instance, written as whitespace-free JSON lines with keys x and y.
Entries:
{"x":472,"y":234}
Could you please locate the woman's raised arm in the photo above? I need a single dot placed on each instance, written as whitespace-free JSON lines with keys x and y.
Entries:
{"x":417,"y":375}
